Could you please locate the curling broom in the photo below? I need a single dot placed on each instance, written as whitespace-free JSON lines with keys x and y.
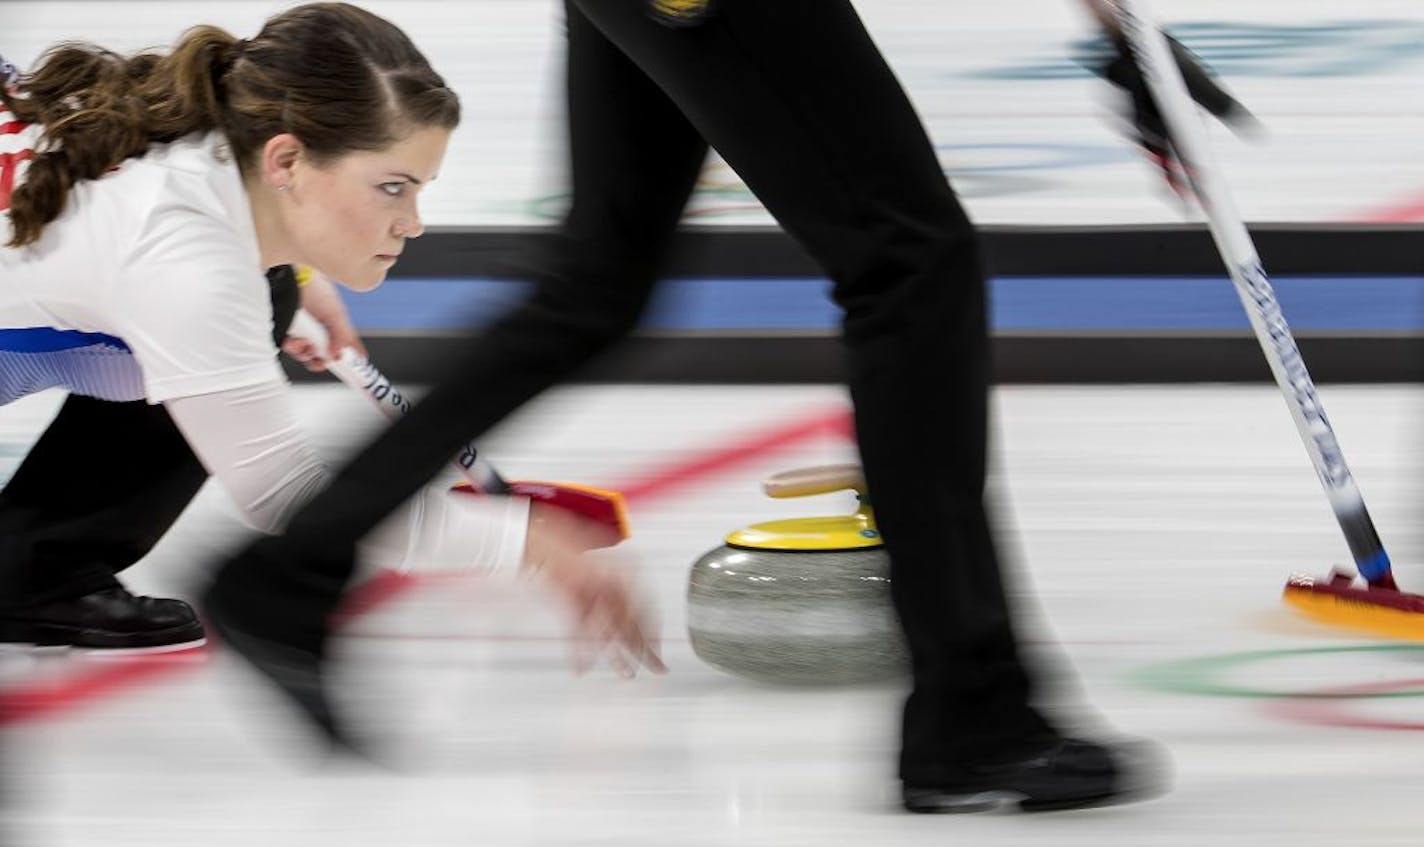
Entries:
{"x":1377,"y":605}
{"x":603,"y":507}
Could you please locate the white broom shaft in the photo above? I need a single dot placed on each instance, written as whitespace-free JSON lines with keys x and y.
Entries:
{"x":360,"y":374}
{"x":1233,"y":240}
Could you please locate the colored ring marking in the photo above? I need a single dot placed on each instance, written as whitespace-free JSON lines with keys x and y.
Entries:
{"x":1325,"y":708}
{"x":1204,"y":675}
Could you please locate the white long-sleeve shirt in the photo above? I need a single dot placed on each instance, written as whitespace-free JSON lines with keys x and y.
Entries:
{"x":150,"y":286}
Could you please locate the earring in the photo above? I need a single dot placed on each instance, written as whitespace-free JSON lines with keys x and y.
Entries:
{"x":282,"y":187}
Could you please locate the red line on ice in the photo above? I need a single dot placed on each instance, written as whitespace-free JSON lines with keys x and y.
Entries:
{"x":98,"y":678}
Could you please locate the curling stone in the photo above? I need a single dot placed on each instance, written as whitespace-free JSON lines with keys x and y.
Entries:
{"x":800,"y":601}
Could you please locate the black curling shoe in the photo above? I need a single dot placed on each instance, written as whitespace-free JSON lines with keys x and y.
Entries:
{"x":110,"y":618}
{"x":1071,"y":773}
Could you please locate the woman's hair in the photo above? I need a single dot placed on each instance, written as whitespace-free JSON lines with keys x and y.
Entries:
{"x":337,"y":77}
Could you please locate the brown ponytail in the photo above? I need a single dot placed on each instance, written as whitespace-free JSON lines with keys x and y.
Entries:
{"x":337,"y":77}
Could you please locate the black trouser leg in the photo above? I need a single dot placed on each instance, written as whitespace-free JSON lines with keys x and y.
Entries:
{"x":796,"y":98}
{"x":103,"y":483}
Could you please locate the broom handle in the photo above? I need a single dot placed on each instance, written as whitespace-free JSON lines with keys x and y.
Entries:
{"x":360,"y":374}
{"x":1233,"y":241}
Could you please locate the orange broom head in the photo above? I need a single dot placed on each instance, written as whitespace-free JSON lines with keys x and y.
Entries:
{"x":605,"y":508}
{"x":1337,"y":602}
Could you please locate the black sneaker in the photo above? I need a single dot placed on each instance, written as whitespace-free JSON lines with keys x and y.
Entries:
{"x":1070,"y":774}
{"x":111,"y":618}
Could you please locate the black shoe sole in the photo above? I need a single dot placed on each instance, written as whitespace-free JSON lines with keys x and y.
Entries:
{"x":939,"y":803}
{"x":1142,"y":777}
{"x":67,"y":635}
{"x":1139,"y":771}
{"x":935,"y":803}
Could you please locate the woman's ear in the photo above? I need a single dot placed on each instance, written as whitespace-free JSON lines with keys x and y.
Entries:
{"x":278,"y":159}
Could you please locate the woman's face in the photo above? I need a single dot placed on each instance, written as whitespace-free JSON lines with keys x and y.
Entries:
{"x":350,"y":217}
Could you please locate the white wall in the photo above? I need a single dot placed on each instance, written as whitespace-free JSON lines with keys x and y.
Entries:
{"x":1026,"y":135}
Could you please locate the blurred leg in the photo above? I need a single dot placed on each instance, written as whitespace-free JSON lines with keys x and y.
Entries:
{"x":795,"y":96}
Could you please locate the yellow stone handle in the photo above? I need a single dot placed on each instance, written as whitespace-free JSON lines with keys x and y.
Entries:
{"x":804,"y":482}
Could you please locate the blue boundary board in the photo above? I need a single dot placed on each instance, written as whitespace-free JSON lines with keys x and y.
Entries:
{"x":1019,"y":304}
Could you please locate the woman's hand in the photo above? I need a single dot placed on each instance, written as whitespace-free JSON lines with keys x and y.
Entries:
{"x":609,"y":619}
{"x":321,"y":300}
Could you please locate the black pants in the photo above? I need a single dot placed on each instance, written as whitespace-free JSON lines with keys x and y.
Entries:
{"x":797,"y":99}
{"x":103,"y":483}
